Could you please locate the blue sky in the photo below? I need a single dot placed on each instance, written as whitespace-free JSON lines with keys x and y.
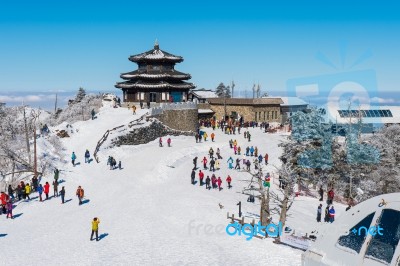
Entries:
{"x":62,"y":45}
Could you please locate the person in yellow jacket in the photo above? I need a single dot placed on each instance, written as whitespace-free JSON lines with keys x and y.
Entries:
{"x":205,"y":136}
{"x":95,"y":228}
{"x":28,"y":191}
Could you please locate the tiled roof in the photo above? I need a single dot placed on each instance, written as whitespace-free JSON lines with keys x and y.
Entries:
{"x":246,"y":101}
{"x":156,"y":54}
{"x":155,"y":74}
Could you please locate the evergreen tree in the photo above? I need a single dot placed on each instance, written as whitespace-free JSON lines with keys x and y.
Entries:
{"x":80,"y":95}
{"x":220,"y":90}
{"x":223,"y":91}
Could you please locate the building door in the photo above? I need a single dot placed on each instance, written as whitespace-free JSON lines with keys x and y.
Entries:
{"x":176,"y":96}
{"x":153,"y":97}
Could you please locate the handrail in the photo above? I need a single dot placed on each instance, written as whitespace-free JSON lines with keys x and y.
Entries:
{"x":105,"y":136}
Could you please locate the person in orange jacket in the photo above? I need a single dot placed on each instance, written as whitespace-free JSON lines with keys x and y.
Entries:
{"x":212,"y":137}
{"x":80,"y":194}
{"x":266,"y":158}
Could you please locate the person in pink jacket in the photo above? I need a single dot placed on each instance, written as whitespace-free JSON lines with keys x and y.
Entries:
{"x":9,"y":207}
{"x":219,"y":182}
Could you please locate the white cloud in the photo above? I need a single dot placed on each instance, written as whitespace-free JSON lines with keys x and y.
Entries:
{"x":382,"y":100}
{"x":20,"y":99}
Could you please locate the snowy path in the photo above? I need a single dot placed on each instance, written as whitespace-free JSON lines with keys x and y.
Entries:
{"x":150,"y":211}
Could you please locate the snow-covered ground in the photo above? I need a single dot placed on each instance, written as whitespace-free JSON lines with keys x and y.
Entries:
{"x":150,"y":213}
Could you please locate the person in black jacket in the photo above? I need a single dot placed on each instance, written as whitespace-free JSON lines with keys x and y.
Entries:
{"x":10,"y":191}
{"x":326,"y":218}
{"x":321,"y":194}
{"x":193,"y":176}
{"x":208,"y":180}
{"x":62,"y":194}
{"x":195,"y":162}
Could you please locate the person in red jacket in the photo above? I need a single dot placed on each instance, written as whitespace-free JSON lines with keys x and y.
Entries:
{"x":3,"y":202}
{"x":201,"y":176}
{"x":331,"y":195}
{"x":219,"y":181}
{"x":169,"y":142}
{"x":204,"y":162}
{"x":47,"y":190}
{"x":229,"y":180}
{"x":266,"y":158}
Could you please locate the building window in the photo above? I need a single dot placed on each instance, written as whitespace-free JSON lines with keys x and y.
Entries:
{"x":383,"y":246}
{"x":268,"y":115}
{"x":276,"y":114}
{"x":355,"y":241}
{"x":142,"y":96}
{"x":255,"y":118}
{"x":264,"y":115}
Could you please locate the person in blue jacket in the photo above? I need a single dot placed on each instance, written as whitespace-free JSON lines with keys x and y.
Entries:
{"x":230,"y":162}
{"x":87,"y":156}
{"x":73,"y":158}
{"x":251,"y":151}
{"x":332,"y":215}
{"x":40,"y":191}
{"x":260,"y":158}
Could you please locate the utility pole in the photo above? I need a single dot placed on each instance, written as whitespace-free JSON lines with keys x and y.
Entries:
{"x":35,"y":117}
{"x":225,"y":90}
{"x":55,"y":104}
{"x":28,"y":149}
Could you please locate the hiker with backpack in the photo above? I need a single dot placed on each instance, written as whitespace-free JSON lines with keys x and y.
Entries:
{"x":55,"y":188}
{"x":80,"y":194}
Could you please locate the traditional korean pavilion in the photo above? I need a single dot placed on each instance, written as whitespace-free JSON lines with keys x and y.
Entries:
{"x":156,"y":79}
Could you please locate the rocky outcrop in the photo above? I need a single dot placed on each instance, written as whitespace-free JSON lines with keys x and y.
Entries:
{"x":142,"y":135}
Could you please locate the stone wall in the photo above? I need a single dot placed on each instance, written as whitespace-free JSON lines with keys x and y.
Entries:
{"x":179,"y":116}
{"x":249,"y":112}
{"x":184,"y":120}
{"x":149,"y":133}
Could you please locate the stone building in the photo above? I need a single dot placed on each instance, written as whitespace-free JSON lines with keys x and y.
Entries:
{"x":156,"y":79}
{"x":257,"y":109}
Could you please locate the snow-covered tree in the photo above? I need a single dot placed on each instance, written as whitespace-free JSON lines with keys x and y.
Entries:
{"x":77,"y":111}
{"x":80,"y":95}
